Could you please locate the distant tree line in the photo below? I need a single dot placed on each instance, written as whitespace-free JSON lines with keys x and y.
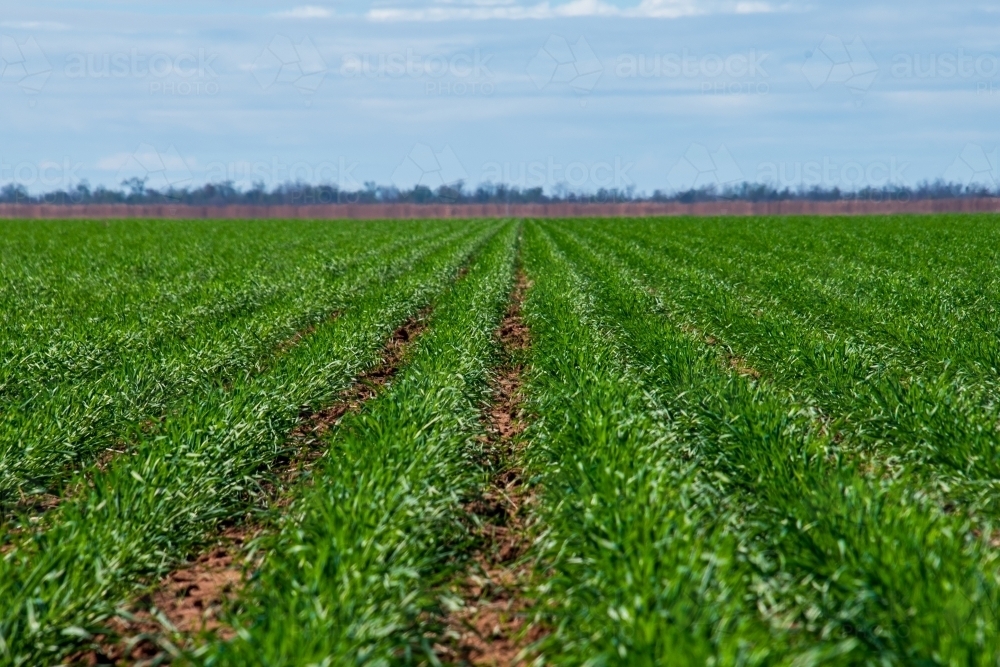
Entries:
{"x":134,"y":191}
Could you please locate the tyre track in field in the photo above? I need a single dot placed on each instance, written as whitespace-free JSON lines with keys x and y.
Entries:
{"x":494,"y":624}
{"x":190,"y":599}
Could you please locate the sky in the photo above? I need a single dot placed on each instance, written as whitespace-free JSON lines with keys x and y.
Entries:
{"x":571,"y":95}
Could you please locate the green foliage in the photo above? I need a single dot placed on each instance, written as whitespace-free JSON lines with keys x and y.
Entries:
{"x":847,"y":549}
{"x":353,"y":573}
{"x":103,"y":328}
{"x":146,"y":511}
{"x":750,"y":442}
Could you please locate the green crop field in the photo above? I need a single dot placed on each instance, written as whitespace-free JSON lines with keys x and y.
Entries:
{"x":501,"y":442}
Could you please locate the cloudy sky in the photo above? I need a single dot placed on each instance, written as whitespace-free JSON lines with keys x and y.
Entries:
{"x":577,"y":94}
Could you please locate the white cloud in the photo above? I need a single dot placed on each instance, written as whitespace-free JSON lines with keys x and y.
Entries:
{"x":666,"y":9}
{"x":113,"y":162}
{"x":34,"y":25}
{"x":754,"y":8}
{"x":304,"y":12}
{"x":476,"y":3}
{"x":540,"y":11}
{"x":146,"y":155}
{"x":543,"y":10}
{"x":586,"y":8}
{"x":479,"y":10}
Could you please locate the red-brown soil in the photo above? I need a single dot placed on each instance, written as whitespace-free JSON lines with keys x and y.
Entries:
{"x":539,"y":210}
{"x":495,"y":624}
{"x":191,"y":598}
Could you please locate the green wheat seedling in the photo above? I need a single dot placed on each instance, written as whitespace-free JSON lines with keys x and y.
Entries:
{"x":752,"y":441}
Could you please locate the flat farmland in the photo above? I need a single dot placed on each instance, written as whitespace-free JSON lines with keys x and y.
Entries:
{"x":646,"y":441}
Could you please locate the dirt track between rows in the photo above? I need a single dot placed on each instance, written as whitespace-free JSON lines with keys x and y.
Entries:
{"x":494,"y":627}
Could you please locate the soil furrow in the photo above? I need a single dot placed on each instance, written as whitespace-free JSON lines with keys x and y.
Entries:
{"x":494,"y":625}
{"x":190,"y":599}
{"x":313,"y":425}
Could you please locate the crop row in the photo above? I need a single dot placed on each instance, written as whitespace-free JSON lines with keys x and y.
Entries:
{"x":144,"y":512}
{"x":354,"y":573}
{"x":53,"y":420}
{"x":700,"y":508}
{"x":751,"y":442}
{"x":902,"y":363}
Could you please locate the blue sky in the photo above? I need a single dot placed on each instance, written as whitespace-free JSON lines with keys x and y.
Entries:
{"x":576,"y":94}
